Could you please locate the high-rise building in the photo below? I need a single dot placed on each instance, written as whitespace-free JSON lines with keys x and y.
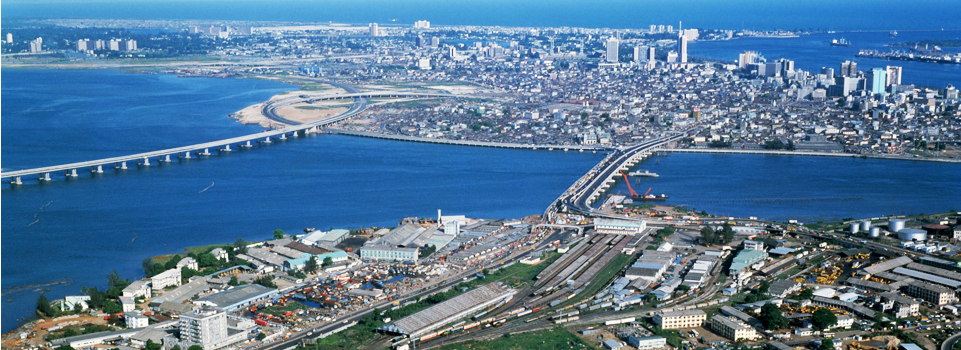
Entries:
{"x":653,"y":28}
{"x":36,"y":45}
{"x":640,"y":53}
{"x":849,"y":69}
{"x":747,"y":58}
{"x":877,"y":81}
{"x":435,"y":42}
{"x":421,"y":42}
{"x":612,"y":45}
{"x":99,"y":44}
{"x":9,"y":38}
{"x":206,"y":327}
{"x":422,"y":25}
{"x":669,"y":28}
{"x":682,"y":47}
{"x":130,"y":45}
{"x":829,"y":72}
{"x":894,"y":75}
{"x":83,"y":45}
{"x":373,"y":29}
{"x":672,"y":56}
{"x":650,"y":54}
{"x":114,"y":45}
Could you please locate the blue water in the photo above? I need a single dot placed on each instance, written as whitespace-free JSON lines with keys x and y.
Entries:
{"x":811,"y":52}
{"x":115,"y":220}
{"x":721,"y":183}
{"x":733,"y":14}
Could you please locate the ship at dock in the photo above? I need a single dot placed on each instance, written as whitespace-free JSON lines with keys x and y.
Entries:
{"x":840,"y":42}
{"x":644,"y":173}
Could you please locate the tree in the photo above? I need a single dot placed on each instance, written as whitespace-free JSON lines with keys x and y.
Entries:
{"x":261,"y":336}
{"x":278,"y":234}
{"x":683,"y":288}
{"x":64,"y":347}
{"x":176,"y":347}
{"x":172,"y":263}
{"x":771,"y":317}
{"x":112,"y":307}
{"x":311,"y":265}
{"x":806,"y":293}
{"x":77,"y":308}
{"x":265,"y":281}
{"x":827,"y":343}
{"x":44,"y":308}
{"x":823,"y":319}
{"x":707,"y":235}
{"x":234,"y":281}
{"x":763,"y":287}
{"x":328,"y":261}
{"x":240,"y":246}
{"x":727,"y":232}
{"x":152,"y":346}
{"x":195,"y":347}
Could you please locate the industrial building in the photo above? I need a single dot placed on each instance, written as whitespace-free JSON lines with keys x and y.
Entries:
{"x":680,"y":319}
{"x":449,"y":311}
{"x":237,"y":297}
{"x":901,"y":306}
{"x":299,"y":263}
{"x":138,"y":289}
{"x":616,"y":226}
{"x":647,"y":343}
{"x":388,"y":253}
{"x":782,"y":288}
{"x":732,"y":329}
{"x":744,"y":259}
{"x":932,"y":293}
{"x":207,"y":327}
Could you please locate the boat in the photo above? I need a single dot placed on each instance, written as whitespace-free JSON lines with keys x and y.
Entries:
{"x":893,"y":33}
{"x":649,"y":198}
{"x":644,"y":173}
{"x":840,"y":42}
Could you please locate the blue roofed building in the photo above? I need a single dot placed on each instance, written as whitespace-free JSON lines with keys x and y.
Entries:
{"x":744,"y":259}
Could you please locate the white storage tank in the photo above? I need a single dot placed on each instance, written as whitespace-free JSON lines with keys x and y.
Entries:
{"x":854,"y":227}
{"x":912,"y":234}
{"x":875,"y":232}
{"x":865,"y":225}
{"x":895,"y":225}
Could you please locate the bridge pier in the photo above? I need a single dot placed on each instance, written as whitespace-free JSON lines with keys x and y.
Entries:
{"x":146,"y":161}
{"x":206,"y":152}
{"x":45,"y":177}
{"x":267,"y":139}
{"x":187,"y":155}
{"x":283,"y":136}
{"x":295,"y":133}
{"x":72,"y":173}
{"x":97,"y":169}
{"x":226,"y":148}
{"x":248,"y":145}
{"x":120,"y":165}
{"x":16,"y":181}
{"x":167,"y":158}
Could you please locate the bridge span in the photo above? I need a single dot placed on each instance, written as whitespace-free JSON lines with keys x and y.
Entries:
{"x":586,"y":190}
{"x":208,"y":148}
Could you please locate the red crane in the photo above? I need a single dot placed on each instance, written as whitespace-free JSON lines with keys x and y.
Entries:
{"x":629,"y":188}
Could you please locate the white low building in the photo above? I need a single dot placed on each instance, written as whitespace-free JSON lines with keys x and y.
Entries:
{"x":622,"y":227}
{"x":165,"y":279}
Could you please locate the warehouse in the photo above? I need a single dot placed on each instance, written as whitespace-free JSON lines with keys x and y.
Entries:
{"x":927,"y":277}
{"x":237,"y":297}
{"x":887,"y":265}
{"x":614,"y":226}
{"x":449,"y":311}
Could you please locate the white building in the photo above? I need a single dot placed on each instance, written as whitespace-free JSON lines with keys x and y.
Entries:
{"x":647,"y":343}
{"x":136,"y":319}
{"x":612,"y":47}
{"x":137,"y":289}
{"x":165,"y":279}
{"x":616,"y":226}
{"x":422,"y":24}
{"x":189,"y":263}
{"x":754,"y":245}
{"x":373,"y":29}
{"x":207,"y":327}
{"x":220,"y":254}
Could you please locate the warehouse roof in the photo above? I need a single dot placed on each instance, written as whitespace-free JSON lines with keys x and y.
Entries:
{"x":928,"y":277}
{"x":428,"y":318}
{"x":231,"y":297}
{"x":887,"y":265}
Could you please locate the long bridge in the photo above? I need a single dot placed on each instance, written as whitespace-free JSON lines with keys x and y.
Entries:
{"x":581,"y":194}
{"x":513,"y":145}
{"x":205,"y":149}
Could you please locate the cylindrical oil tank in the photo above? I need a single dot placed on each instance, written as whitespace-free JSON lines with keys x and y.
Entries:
{"x":854,"y":227}
{"x":912,"y":234}
{"x":895,"y":225}
{"x":875,"y":232}
{"x":865,"y":225}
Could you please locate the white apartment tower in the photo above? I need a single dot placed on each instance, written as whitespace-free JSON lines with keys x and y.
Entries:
{"x":612,"y":46}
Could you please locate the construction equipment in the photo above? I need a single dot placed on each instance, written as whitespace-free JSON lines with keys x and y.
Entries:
{"x":629,"y":188}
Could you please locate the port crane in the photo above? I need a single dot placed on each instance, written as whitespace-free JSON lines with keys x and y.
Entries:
{"x":629,"y":188}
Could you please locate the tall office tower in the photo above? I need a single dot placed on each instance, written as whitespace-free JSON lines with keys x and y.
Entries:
{"x":682,"y":47}
{"x":451,"y":51}
{"x":9,"y":38}
{"x":83,"y":45}
{"x":746,"y":58}
{"x":99,"y":44}
{"x":373,"y":29}
{"x":660,"y":28}
{"x":612,"y":46}
{"x":114,"y":45}
{"x":639,"y":54}
{"x":669,"y":28}
{"x":36,"y":45}
{"x":650,"y":54}
{"x":894,"y":75}
{"x":653,"y":28}
{"x":786,"y":65}
{"x":877,"y":81}
{"x":829,"y":72}
{"x":130,"y":45}
{"x":435,"y":41}
{"x":849,"y":69}
{"x":206,"y":327}
{"x":421,"y":42}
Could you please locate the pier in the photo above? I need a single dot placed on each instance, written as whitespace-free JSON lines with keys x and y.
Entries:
{"x":73,"y":170}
